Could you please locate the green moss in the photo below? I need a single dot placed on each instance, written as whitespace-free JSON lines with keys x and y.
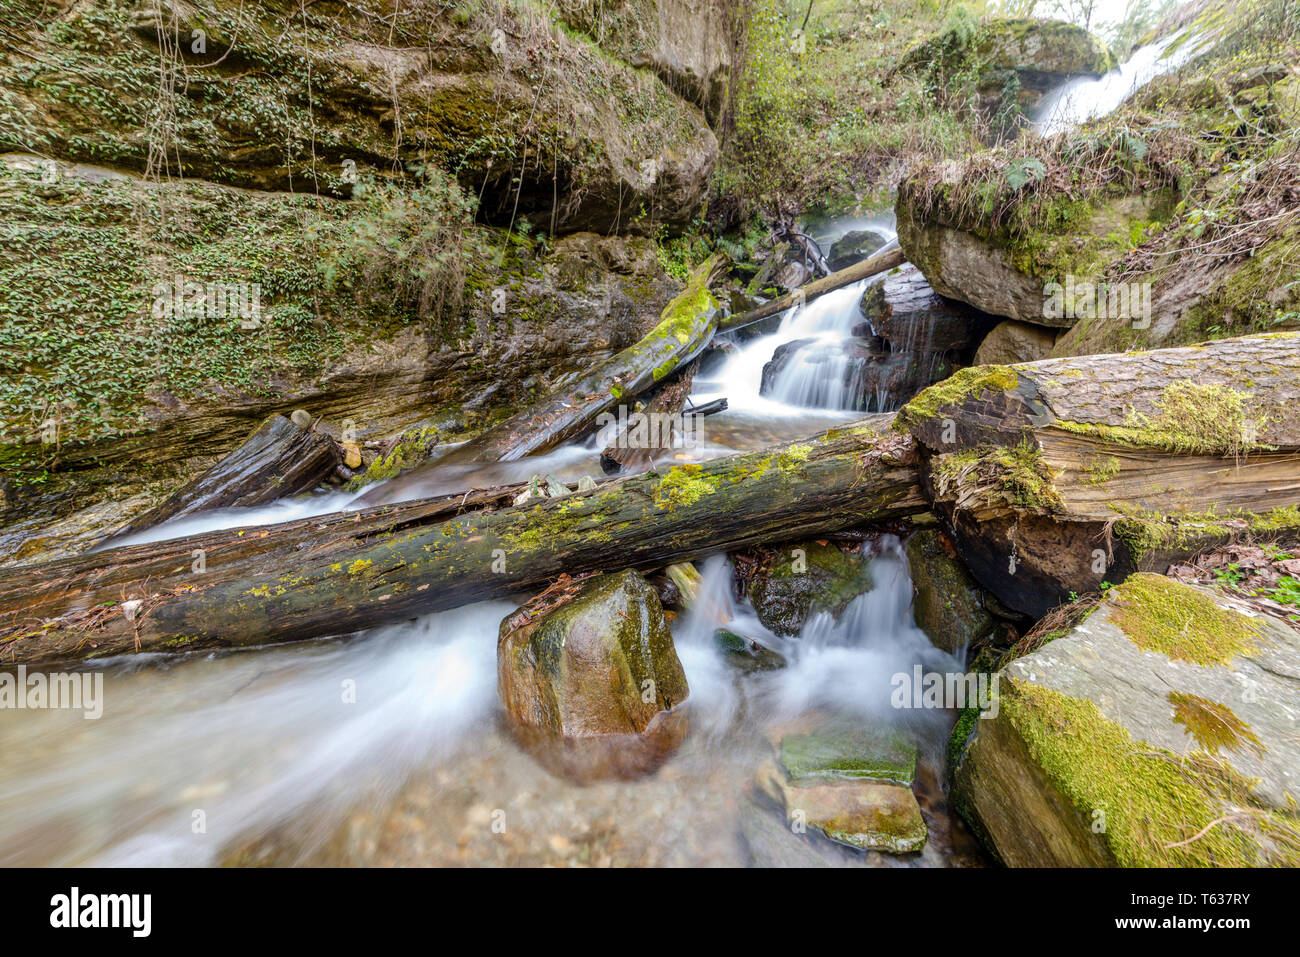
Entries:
{"x":1015,"y":475}
{"x":1102,"y":469}
{"x":683,"y":485}
{"x":1156,"y":803}
{"x":1190,"y":419}
{"x":1159,"y":614}
{"x":843,"y":751}
{"x":1213,"y":725}
{"x":1147,"y":532}
{"x":971,"y":381}
{"x":411,"y":449}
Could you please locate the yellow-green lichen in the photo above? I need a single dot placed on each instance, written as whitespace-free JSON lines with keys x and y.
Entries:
{"x":683,"y":485}
{"x":1014,"y":475}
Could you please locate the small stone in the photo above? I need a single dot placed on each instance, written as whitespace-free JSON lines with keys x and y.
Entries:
{"x":300,"y":418}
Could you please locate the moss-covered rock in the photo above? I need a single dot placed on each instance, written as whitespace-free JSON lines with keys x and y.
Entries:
{"x":868,"y":815}
{"x":1152,"y":733}
{"x":847,"y":750}
{"x":809,"y":577}
{"x":947,"y":604}
{"x":592,"y":684}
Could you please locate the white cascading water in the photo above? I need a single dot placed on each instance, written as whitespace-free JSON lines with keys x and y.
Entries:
{"x":1086,"y":98}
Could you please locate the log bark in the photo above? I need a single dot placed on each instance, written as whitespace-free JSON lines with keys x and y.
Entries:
{"x":337,"y":574}
{"x":627,"y":452}
{"x":882,"y":261}
{"x":1056,"y":476}
{"x":685,"y":329}
{"x":280,"y":458}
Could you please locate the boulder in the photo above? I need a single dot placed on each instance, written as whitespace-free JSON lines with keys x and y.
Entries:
{"x":1161,"y":730}
{"x":745,"y":653}
{"x":906,"y":311}
{"x":807,"y":578}
{"x":851,"y":782}
{"x":947,"y":604}
{"x":1011,"y":342}
{"x":853,"y":247}
{"x":590,"y":681}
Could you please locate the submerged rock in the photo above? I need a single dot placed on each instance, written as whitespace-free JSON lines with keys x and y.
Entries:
{"x":809,"y":577}
{"x":746,"y":653}
{"x":852,"y":783}
{"x":592,"y":685}
{"x":947,"y":604}
{"x":842,"y":750}
{"x":1159,"y":731}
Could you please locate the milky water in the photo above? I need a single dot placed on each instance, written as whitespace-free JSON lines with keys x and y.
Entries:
{"x":1086,"y":98}
{"x":387,"y":747}
{"x":195,"y":757}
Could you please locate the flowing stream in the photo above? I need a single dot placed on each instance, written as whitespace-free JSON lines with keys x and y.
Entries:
{"x":387,"y":747}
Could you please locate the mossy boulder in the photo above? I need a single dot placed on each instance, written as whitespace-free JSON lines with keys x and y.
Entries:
{"x":592,"y":685}
{"x":947,"y":604}
{"x":848,"y":750}
{"x":853,"y":247}
{"x":807,"y":578}
{"x":1158,"y":731}
{"x":863,"y":814}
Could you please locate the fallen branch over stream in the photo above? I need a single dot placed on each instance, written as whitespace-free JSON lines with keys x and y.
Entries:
{"x":345,"y":572}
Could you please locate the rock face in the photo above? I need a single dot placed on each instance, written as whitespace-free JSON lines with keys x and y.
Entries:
{"x":593,"y":686}
{"x":168,"y":405}
{"x":947,"y":603}
{"x":808,"y":578}
{"x":1011,"y":342}
{"x":1159,"y":731}
{"x":539,"y":119}
{"x":850,"y":782}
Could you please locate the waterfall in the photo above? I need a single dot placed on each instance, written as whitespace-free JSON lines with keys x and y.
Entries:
{"x":1079,"y":100}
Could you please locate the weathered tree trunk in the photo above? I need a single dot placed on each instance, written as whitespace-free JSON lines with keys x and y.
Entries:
{"x":882,"y":261}
{"x":687,"y":325}
{"x":348,"y":571}
{"x":632,"y":451}
{"x":280,"y":458}
{"x":1055,"y":476}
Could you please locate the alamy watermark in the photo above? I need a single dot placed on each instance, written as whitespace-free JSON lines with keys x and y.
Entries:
{"x":649,"y":430}
{"x":209,"y":300}
{"x":75,"y":690}
{"x":954,"y":689}
{"x":1129,"y":301}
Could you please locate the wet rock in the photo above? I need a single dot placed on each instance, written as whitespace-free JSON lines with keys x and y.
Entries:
{"x":868,"y":815}
{"x":1161,"y":730}
{"x":590,"y":680}
{"x":915,"y":319}
{"x":1011,"y":342}
{"x":745,"y":653}
{"x":947,"y":604}
{"x":808,"y":577}
{"x":846,"y":750}
{"x":858,"y":373}
{"x":853,"y":247}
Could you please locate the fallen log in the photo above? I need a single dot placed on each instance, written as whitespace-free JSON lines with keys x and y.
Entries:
{"x":684,"y":330}
{"x":344,"y":572}
{"x":280,"y":458}
{"x":655,"y":430}
{"x":1056,"y":476}
{"x":882,"y":261}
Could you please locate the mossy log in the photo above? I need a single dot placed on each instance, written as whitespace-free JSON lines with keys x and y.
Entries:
{"x":1056,"y":476}
{"x":882,"y":261}
{"x":685,"y":328}
{"x":280,"y":458}
{"x":345,"y":572}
